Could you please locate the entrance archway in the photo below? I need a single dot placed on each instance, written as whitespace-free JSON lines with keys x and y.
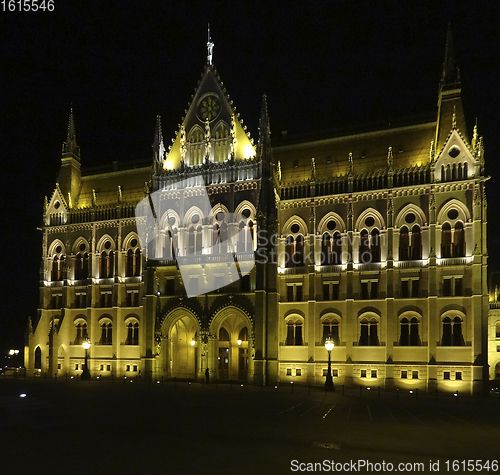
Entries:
{"x":179,"y":344}
{"x":233,"y":327}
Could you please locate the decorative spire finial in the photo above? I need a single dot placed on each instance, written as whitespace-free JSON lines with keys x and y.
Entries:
{"x":390,"y":158}
{"x":70,"y":148}
{"x":454,"y":119}
{"x":350,"y":165}
{"x":210,"y":47}
{"x":451,"y":73}
{"x":431,"y":152}
{"x":158,"y":146}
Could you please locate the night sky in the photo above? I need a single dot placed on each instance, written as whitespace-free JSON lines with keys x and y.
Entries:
{"x":324,"y":66}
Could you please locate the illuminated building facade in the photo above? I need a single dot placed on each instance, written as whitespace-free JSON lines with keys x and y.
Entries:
{"x":375,"y":239}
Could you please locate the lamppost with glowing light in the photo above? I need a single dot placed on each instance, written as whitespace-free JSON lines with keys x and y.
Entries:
{"x":86,"y":345}
{"x":329,"y":344}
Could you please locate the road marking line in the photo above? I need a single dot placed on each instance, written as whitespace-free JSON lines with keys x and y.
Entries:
{"x":410,"y":414}
{"x":369,"y":413}
{"x":457,"y":418}
{"x":328,"y":412}
{"x":390,"y":413}
{"x":309,"y":409}
{"x":293,"y":407}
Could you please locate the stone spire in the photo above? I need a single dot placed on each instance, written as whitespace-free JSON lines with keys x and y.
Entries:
{"x":450,"y":78}
{"x":70,"y":148}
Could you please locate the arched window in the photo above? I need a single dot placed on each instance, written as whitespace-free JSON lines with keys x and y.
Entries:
{"x":106,"y":334}
{"x":369,"y":332}
{"x":132,"y":333}
{"x":81,"y":333}
{"x":38,"y":358}
{"x":446,"y":240}
{"x":130,"y":263}
{"x":298,"y":257}
{"x":243,"y":335}
{"x":170,"y":244}
{"x":459,"y":240}
{"x":497,"y":330}
{"x":409,"y":332}
{"x":82,"y":266}
{"x":375,"y":245}
{"x":458,"y":339}
{"x":289,"y":251}
{"x":294,"y":332}
{"x":326,"y":249}
{"x":364,"y":247}
{"x":106,"y":265}
{"x":497,"y":371}
{"x":223,"y":334}
{"x":191,"y":241}
{"x":337,"y":248}
{"x":416,"y":243}
{"x":452,"y":332}
{"x":404,"y":244}
{"x":330,"y":330}
{"x":57,"y":268}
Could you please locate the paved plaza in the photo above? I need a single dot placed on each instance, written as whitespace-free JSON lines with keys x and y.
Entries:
{"x":131,"y":427}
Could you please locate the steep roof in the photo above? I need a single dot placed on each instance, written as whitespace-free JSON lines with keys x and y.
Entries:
{"x":410,"y":146}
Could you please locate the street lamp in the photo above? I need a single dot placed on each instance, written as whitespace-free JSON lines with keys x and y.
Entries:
{"x":86,"y":345}
{"x":329,"y":344}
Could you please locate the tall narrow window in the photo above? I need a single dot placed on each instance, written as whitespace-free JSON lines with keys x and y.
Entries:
{"x":132,"y":334}
{"x":337,"y":248}
{"x":414,"y":338}
{"x":137,"y":262}
{"x":446,"y":240}
{"x":404,"y":338}
{"x":130,"y":263}
{"x":299,"y":251}
{"x":375,"y":245}
{"x":404,"y":244}
{"x":364,"y":247}
{"x":293,"y":333}
{"x":459,"y":240}
{"x":457,"y":332}
{"x":416,"y":243}
{"x":447,"y":332}
{"x":289,"y":251}
{"x":326,"y":250}
{"x":106,"y":334}
{"x":369,"y":332}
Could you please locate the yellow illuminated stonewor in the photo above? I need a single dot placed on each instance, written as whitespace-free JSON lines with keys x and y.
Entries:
{"x":244,"y":149}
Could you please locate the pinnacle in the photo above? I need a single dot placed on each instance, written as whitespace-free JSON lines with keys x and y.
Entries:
{"x":70,"y":147}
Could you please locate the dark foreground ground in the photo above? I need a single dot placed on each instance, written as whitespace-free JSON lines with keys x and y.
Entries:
{"x":129,"y":428}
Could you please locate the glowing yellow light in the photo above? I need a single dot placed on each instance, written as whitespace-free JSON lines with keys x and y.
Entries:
{"x":11,"y":352}
{"x":86,"y":344}
{"x":249,"y":151}
{"x":329,"y":344}
{"x":168,"y":164}
{"x":239,"y":342}
{"x":193,"y":342}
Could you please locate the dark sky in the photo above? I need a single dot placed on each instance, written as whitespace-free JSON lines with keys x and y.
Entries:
{"x":324,"y":66}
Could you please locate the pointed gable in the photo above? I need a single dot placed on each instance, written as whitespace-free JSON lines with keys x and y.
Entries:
{"x":455,"y":162}
{"x":211,"y":118}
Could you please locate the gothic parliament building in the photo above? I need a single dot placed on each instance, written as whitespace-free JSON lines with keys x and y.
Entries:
{"x":376,"y":240}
